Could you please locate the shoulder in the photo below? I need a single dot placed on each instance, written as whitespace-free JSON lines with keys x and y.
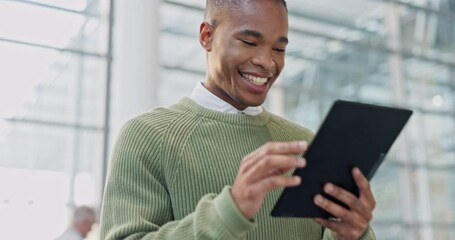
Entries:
{"x":141,"y":139}
{"x":291,"y":127}
{"x":156,"y":120}
{"x":159,"y":122}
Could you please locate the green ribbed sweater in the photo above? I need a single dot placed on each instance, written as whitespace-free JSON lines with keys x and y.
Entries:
{"x":171,"y":173}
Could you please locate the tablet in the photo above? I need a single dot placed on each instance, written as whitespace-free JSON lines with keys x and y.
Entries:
{"x":352,"y":135}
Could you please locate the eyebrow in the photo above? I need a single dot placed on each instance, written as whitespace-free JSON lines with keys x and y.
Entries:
{"x":257,"y":34}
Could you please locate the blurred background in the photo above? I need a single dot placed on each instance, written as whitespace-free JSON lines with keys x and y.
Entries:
{"x":71,"y":72}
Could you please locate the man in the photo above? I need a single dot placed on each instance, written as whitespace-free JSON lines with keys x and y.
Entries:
{"x":81,"y":224}
{"x":212,"y":166}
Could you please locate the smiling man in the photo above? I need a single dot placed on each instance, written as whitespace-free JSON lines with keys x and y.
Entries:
{"x":211,"y":166}
{"x":245,"y":45}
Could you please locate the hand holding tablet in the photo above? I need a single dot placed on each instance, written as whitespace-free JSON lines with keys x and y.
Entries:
{"x":352,"y":135}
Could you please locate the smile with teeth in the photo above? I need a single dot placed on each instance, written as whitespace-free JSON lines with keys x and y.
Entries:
{"x":253,"y":79}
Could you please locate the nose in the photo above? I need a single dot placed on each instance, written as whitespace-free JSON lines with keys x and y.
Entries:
{"x":264,"y":59}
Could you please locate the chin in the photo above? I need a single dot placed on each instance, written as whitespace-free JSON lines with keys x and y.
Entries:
{"x":254,"y":103}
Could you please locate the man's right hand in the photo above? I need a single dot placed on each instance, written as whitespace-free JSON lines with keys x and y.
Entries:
{"x":262,"y":171}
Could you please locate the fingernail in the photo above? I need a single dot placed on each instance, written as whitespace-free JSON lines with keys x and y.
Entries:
{"x":297,"y":179}
{"x":356,"y":170}
{"x":329,"y":188}
{"x":302,"y":161}
{"x":302,"y":144}
{"x":318,"y":199}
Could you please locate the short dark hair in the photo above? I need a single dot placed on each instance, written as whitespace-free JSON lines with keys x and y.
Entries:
{"x":214,"y":8}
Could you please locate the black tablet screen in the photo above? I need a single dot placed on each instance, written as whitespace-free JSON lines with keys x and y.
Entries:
{"x":352,"y":135}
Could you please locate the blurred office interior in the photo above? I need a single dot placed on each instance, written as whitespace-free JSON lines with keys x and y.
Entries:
{"x":71,"y":72}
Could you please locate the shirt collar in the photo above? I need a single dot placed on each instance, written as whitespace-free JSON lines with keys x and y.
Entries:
{"x":205,"y":98}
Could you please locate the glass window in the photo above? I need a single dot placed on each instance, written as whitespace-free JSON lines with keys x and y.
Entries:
{"x":52,"y":104}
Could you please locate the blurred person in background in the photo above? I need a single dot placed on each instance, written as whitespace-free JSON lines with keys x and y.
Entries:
{"x":81,"y":224}
{"x":211,"y":165}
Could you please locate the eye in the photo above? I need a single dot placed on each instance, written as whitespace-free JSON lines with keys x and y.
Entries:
{"x":249,"y":43}
{"x":280,"y":50}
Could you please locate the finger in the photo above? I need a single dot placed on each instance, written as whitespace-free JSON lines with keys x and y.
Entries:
{"x":274,"y":148}
{"x":287,"y":162}
{"x":355,"y":221}
{"x":294,"y":147}
{"x":341,"y":229}
{"x":349,"y":199}
{"x":276,"y":172}
{"x":270,"y":183}
{"x":335,"y":226}
{"x":333,"y":208}
{"x":273,"y":163}
{"x":366,"y":195}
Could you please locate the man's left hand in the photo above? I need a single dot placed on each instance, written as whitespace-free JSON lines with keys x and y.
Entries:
{"x":351,"y":223}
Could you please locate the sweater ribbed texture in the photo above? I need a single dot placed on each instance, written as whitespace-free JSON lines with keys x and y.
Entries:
{"x":171,"y":173}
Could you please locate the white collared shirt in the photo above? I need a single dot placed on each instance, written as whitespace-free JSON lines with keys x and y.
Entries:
{"x":70,"y":234}
{"x":205,"y":98}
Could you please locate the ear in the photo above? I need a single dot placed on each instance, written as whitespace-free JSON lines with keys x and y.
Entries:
{"x":206,"y":35}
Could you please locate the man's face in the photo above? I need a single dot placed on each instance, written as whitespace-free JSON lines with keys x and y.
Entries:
{"x":246,"y":52}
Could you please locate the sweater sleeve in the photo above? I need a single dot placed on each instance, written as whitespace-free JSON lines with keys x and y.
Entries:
{"x":137,"y":205}
{"x":367,"y":235}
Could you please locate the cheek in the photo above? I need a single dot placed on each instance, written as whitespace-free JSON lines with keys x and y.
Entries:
{"x":234,"y":55}
{"x":280,"y":61}
{"x":229,"y":65}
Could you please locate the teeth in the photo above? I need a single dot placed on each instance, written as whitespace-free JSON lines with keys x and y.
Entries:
{"x":256,"y":80}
